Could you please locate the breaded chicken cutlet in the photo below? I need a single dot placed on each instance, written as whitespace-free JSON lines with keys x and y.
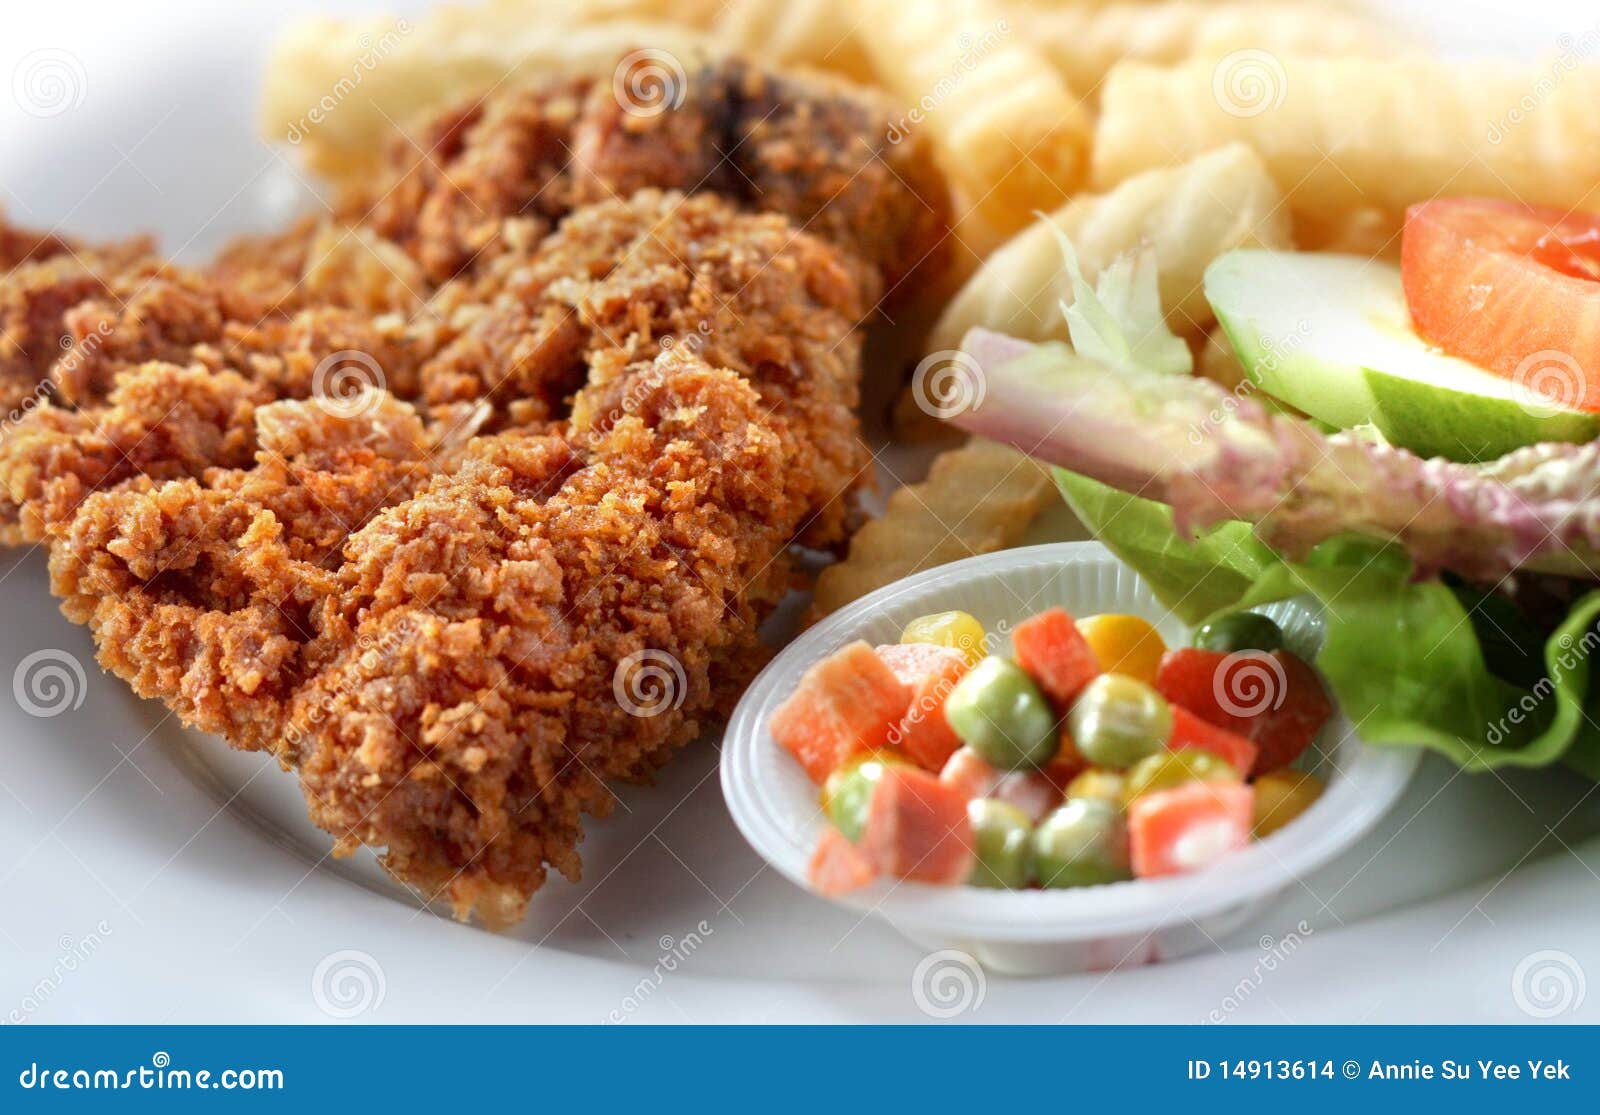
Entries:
{"x":427,"y":271}
{"x":601,"y":414}
{"x":814,"y":149}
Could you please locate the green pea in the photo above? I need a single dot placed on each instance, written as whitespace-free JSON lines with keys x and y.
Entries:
{"x":1239,"y":631}
{"x":1001,"y":714}
{"x":1003,"y":839}
{"x":1174,"y":768}
{"x":1081,"y":844}
{"x":847,"y":794}
{"x":1118,"y":720}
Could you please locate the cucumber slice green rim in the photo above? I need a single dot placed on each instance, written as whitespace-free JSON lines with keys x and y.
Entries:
{"x":1330,"y":336}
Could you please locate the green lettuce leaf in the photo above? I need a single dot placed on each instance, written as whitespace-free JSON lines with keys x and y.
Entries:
{"x":1119,"y":320}
{"x":1194,"y":577}
{"x":1409,"y":668}
{"x":1412,"y":663}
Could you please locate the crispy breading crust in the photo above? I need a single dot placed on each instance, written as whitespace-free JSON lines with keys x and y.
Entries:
{"x":469,"y":203}
{"x":593,"y":428}
{"x":435,"y":643}
{"x":814,"y":149}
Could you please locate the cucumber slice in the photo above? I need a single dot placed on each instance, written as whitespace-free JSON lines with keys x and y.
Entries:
{"x":1330,"y":335}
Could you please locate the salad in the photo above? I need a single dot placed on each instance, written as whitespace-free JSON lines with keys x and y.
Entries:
{"x":1414,"y":451}
{"x":1091,"y":754}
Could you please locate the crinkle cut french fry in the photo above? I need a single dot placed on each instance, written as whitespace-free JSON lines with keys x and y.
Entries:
{"x":574,"y":13}
{"x":825,"y":34}
{"x":1011,"y":133}
{"x":1345,"y":134}
{"x":1189,"y":215}
{"x":977,"y":499}
{"x":1085,"y":41}
{"x":336,"y":88}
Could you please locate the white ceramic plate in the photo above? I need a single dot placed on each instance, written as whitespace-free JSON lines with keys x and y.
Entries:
{"x":774,"y":803}
{"x":151,"y":875}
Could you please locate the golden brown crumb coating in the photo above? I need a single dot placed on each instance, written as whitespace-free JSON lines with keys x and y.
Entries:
{"x":18,"y":244}
{"x":407,"y":499}
{"x":446,"y":193}
{"x":197,"y":345}
{"x":38,"y":295}
{"x":619,"y":282}
{"x":468,"y":713}
{"x":432,"y":632}
{"x":483,"y":185}
{"x":200,"y":591}
{"x":814,"y":149}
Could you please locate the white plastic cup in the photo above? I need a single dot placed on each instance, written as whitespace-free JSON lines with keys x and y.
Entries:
{"x":1037,"y":932}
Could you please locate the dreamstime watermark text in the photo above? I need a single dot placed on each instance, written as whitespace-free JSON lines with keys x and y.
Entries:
{"x":1274,"y":954}
{"x":675,"y":952}
{"x":972,"y":53}
{"x":157,"y":1076}
{"x":75,"y":953}
{"x":373,"y":52}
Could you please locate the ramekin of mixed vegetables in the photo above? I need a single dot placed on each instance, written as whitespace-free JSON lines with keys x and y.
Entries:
{"x":1026,"y":754}
{"x":1091,"y":754}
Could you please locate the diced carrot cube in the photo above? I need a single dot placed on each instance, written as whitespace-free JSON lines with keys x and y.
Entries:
{"x":847,"y":703}
{"x":1188,"y":730}
{"x":930,"y":671}
{"x":1051,"y":649}
{"x":838,"y":866}
{"x":917,"y":828}
{"x":1189,"y":827}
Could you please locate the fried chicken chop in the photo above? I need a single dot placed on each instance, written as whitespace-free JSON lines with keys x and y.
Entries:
{"x":118,"y":367}
{"x":599,"y":420}
{"x":434,"y":635}
{"x":428,"y":273}
{"x":814,"y":149}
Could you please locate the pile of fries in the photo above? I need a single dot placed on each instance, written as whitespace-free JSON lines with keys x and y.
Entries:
{"x":1193,"y":126}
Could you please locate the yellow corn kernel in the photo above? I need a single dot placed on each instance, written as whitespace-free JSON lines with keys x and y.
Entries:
{"x":1281,"y":797}
{"x":959,"y":630}
{"x":1168,"y":769}
{"x":1107,"y":785}
{"x":1124,"y":645}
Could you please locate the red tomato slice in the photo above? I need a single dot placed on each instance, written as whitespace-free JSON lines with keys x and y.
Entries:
{"x":1512,"y":288}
